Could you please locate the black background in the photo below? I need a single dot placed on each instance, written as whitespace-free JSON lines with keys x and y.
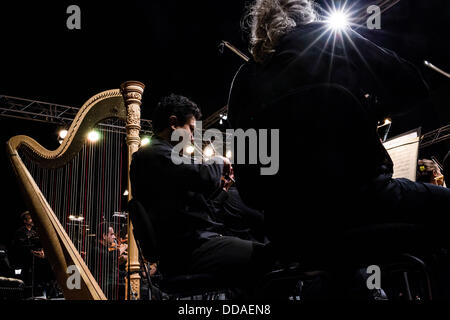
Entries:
{"x":172,"y":46}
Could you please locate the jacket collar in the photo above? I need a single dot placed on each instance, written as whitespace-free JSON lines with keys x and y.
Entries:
{"x":158,"y":141}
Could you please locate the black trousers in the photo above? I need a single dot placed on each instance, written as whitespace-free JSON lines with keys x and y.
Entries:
{"x":424,"y":207}
{"x":401,"y":215}
{"x":233,"y":259}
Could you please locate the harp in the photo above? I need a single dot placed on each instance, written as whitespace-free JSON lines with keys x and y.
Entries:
{"x":65,"y":239}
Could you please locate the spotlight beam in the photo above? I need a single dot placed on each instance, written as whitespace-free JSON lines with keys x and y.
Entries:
{"x":338,"y":20}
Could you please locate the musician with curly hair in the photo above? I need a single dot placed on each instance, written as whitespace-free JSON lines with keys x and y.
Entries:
{"x":325,"y":90}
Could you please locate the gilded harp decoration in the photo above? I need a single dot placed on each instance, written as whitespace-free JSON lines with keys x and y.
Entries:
{"x":68,"y":220}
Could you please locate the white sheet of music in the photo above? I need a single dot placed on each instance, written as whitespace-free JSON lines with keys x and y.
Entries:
{"x":404,"y":151}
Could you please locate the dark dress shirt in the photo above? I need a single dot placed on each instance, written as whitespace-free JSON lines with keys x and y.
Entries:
{"x":176,"y":197}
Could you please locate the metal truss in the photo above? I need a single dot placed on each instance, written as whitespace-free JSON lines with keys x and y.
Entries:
{"x":435,"y":136}
{"x":20,"y":108}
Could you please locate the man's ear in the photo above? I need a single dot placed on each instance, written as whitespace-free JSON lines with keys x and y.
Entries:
{"x":173,"y":122}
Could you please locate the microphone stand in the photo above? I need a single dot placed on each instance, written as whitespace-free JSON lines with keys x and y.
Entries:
{"x":32,"y":278}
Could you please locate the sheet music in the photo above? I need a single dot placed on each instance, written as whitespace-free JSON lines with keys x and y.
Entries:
{"x":404,"y":151}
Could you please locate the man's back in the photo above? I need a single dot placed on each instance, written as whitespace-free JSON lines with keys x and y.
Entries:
{"x":330,"y":154}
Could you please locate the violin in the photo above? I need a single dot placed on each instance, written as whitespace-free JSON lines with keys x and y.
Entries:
{"x":114,"y":246}
{"x":118,"y":246}
{"x":227,"y":178}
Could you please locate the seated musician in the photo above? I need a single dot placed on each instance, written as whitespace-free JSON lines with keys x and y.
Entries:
{"x":29,"y":256}
{"x":189,"y":237}
{"x":110,"y":259}
{"x":428,"y":171}
{"x":108,"y":243}
{"x":314,"y":85}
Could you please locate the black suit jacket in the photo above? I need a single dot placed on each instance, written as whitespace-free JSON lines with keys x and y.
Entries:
{"x":175,"y":196}
{"x":331,"y":158}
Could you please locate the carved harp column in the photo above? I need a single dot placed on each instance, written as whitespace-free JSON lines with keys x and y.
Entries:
{"x":132,"y":94}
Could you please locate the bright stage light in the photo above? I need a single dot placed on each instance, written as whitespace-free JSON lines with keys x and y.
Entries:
{"x":338,"y":20}
{"x":76,"y":218}
{"x":93,"y":136}
{"x":145,"y":141}
{"x":190,"y":149}
{"x":63,"y":133}
{"x":385,"y":122}
{"x":208,"y":152}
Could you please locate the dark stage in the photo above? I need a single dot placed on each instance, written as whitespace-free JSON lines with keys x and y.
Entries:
{"x":174,"y":47}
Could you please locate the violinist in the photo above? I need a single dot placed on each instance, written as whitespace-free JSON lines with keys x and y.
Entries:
{"x":430,"y":172}
{"x":311,"y":82}
{"x":109,"y":259}
{"x":189,"y":236}
{"x":109,"y":243}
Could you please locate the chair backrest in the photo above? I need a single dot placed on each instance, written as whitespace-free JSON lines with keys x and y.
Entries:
{"x":143,"y":230}
{"x":5,"y":266}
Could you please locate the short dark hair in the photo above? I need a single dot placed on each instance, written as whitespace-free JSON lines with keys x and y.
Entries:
{"x":103,"y":227}
{"x":24,"y":214}
{"x":174,"y":105}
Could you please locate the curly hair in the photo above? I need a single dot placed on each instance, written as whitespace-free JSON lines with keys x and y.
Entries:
{"x":269,"y":20}
{"x":174,"y":105}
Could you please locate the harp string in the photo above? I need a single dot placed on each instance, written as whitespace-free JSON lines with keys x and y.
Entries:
{"x":84,"y":195}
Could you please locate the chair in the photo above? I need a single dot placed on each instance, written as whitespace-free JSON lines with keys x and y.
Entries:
{"x":10,"y":288}
{"x":284,"y":282}
{"x":177,"y":287}
{"x":365,"y":246}
{"x":385,"y":243}
{"x":414,"y":280}
{"x":287,"y":282}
